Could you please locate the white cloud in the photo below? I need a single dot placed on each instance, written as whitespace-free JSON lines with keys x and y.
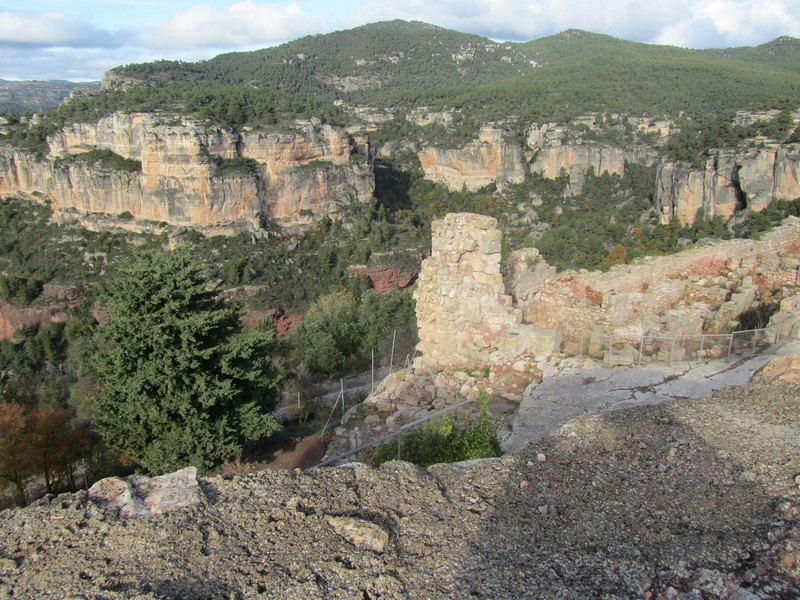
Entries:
{"x":693,"y":23}
{"x":510,"y":19}
{"x":239,"y":25}
{"x":31,"y":29}
{"x":724,"y":23}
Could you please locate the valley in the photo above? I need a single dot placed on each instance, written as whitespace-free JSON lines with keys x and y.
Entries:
{"x":567,"y":195}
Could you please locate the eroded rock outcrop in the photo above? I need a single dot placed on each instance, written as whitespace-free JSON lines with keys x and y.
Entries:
{"x":728,"y":181}
{"x":295,"y":177}
{"x":489,"y":160}
{"x":140,"y":496}
{"x":13,"y":317}
{"x":576,"y":160}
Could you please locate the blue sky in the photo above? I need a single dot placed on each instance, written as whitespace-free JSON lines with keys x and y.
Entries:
{"x":81,"y":39}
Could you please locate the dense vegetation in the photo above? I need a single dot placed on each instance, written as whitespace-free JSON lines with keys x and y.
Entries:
{"x":402,"y":66}
{"x":56,"y":376}
{"x":445,"y":441}
{"x":341,"y":330}
{"x":180,"y":382}
{"x":35,"y":251}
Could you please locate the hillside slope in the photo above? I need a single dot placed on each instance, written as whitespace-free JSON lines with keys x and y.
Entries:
{"x":692,"y":497}
{"x":403,"y":65}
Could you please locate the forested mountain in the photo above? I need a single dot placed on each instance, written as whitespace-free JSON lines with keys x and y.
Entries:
{"x":402,"y":65}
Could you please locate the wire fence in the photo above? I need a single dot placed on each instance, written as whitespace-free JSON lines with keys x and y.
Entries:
{"x":611,"y":349}
{"x":398,"y":433}
{"x":337,"y":396}
{"x":622,"y":349}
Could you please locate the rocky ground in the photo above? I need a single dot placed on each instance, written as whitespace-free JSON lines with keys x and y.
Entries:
{"x":689,"y":499}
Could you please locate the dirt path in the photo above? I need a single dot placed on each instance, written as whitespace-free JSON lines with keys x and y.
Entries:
{"x":291,"y":454}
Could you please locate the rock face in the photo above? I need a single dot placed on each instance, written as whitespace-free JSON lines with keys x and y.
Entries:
{"x":298,"y":176}
{"x":489,"y":160}
{"x":576,"y":160}
{"x":727,"y":182}
{"x":13,"y":317}
{"x":138,"y":496}
{"x":464,"y":315}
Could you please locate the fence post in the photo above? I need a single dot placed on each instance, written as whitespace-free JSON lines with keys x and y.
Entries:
{"x":611,"y":350}
{"x":391,"y":360}
{"x":641,"y":349}
{"x":702,"y":345}
{"x":755,"y":338}
{"x":580,"y":348}
{"x":342,"y":392}
{"x":730,"y":344}
{"x":85,"y":476}
{"x":671,"y":350}
{"x":330,"y":416}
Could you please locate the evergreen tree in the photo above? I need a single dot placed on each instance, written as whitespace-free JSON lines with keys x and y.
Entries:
{"x":181,"y":383}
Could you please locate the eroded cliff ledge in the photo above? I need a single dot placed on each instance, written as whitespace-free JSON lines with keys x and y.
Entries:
{"x":293,"y":178}
{"x":488,"y":160}
{"x":728,"y":181}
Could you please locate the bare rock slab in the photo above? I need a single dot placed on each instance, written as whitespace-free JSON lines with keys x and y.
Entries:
{"x":139,"y":496}
{"x":360,"y":533}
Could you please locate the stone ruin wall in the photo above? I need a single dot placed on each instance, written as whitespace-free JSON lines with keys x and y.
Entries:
{"x":487,"y":327}
{"x":473,"y":312}
{"x":466,"y":319}
{"x":638,"y":299}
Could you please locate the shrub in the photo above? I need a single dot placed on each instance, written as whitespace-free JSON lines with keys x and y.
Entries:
{"x":445,"y":441}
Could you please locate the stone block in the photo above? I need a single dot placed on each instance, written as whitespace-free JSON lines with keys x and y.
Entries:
{"x":527,"y":339}
{"x":598,"y":340}
{"x":483,"y":222}
{"x":489,"y":247}
{"x":627,"y":355}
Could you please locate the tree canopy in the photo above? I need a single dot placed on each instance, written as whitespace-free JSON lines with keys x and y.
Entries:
{"x":181,"y":382}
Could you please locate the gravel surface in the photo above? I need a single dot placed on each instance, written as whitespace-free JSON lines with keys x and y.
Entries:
{"x":690,"y":499}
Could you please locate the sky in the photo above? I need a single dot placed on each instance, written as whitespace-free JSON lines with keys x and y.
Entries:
{"x":79,"y":40}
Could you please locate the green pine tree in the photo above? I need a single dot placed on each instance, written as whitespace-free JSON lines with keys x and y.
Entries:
{"x":181,"y":383}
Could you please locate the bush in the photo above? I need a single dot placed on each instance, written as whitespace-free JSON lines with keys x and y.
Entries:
{"x":106,"y":159}
{"x":445,"y":441}
{"x":236,"y":167}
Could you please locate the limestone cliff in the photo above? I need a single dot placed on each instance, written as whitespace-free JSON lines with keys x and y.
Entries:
{"x":489,"y":160}
{"x":727,"y":181}
{"x":298,"y":176}
{"x":576,"y":160}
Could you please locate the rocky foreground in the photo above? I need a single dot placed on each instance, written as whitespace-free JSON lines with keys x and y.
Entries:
{"x":689,"y":499}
